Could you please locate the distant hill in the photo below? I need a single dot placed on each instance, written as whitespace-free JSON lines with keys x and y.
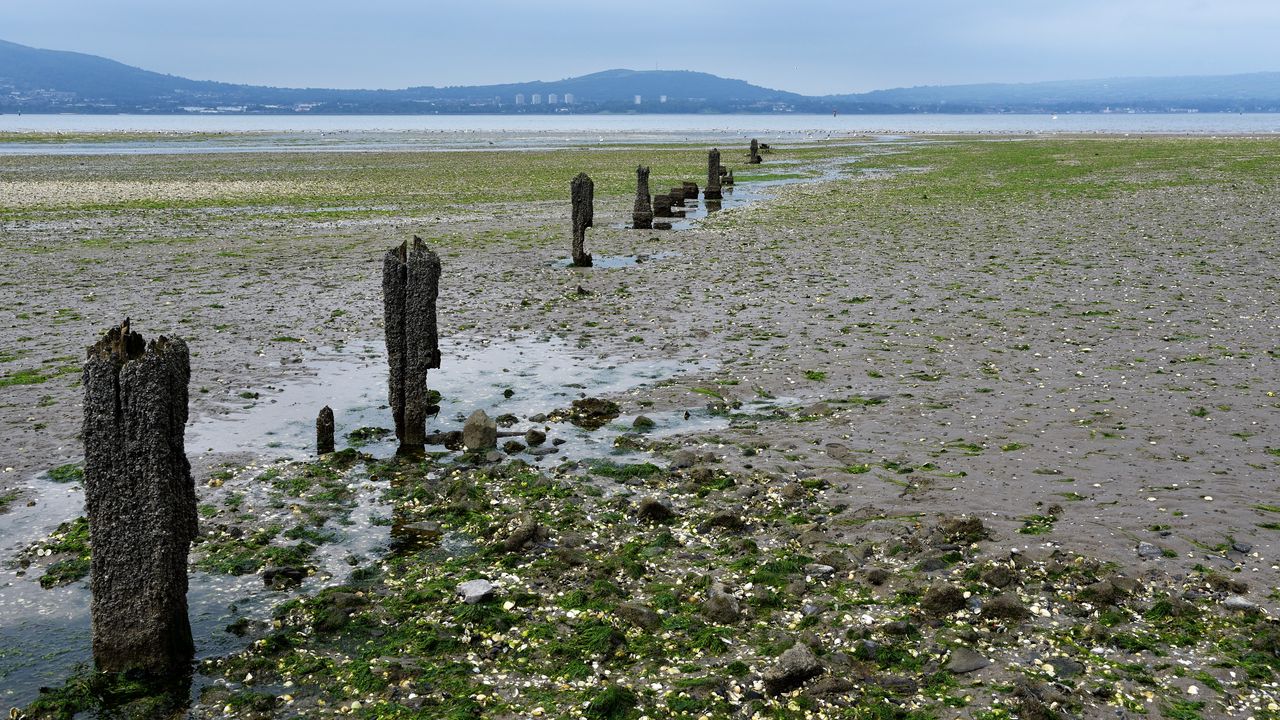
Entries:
{"x":34,"y":80}
{"x":1253,"y":91}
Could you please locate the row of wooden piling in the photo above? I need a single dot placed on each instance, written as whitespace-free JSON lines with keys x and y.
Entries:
{"x":139,"y":491}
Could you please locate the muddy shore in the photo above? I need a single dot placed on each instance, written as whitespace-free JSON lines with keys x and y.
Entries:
{"x":1095,"y":361}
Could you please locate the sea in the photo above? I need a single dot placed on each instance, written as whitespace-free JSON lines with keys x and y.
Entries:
{"x":84,"y":134}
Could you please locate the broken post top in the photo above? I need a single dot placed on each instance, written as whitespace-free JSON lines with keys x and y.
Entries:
{"x":404,"y":253}
{"x":120,"y":344}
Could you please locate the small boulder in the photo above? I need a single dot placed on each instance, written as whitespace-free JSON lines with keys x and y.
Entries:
{"x":639,"y":615}
{"x":942,"y":600}
{"x":964,"y":660}
{"x":281,"y":578}
{"x":721,"y":606}
{"x":475,"y":591}
{"x":792,"y":669}
{"x":480,"y":432}
{"x":653,"y":510}
{"x":1006,"y":607}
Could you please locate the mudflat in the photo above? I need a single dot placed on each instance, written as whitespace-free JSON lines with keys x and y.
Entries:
{"x":995,"y":425}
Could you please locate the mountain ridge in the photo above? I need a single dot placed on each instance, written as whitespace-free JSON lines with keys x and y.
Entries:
{"x":39,"y":80}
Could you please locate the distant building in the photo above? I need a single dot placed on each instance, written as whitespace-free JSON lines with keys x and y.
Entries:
{"x":519,"y":98}
{"x":662,"y":98}
{"x":552,"y":99}
{"x":637,"y":100}
{"x":568,"y":98}
{"x":537,"y":99}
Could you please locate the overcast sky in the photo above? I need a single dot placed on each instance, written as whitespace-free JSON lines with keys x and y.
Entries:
{"x":806,"y":46}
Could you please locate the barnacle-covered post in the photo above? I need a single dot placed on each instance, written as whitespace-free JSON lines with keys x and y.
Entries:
{"x":582,"y":193}
{"x":712,"y":190}
{"x":755,"y":158}
{"x":642,"y":213}
{"x":141,"y":503}
{"x":410,"y":286}
{"x":324,"y":431}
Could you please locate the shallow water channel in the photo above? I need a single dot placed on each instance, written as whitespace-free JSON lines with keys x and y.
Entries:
{"x":44,"y":633}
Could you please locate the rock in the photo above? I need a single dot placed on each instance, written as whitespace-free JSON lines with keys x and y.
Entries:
{"x":543,"y":451}
{"x":425,"y":531}
{"x":494,"y":456}
{"x":281,"y":578}
{"x":654,"y":510}
{"x":819,"y":570}
{"x":527,"y":531}
{"x":899,"y":628}
{"x":1065,"y":667}
{"x":721,"y":606}
{"x":593,"y":413}
{"x":1239,"y":603}
{"x":792,"y":669}
{"x":725,"y":519}
{"x":933,"y":562}
{"x":513,"y":447}
{"x":899,"y":685}
{"x":818,"y":409}
{"x":535,"y":437}
{"x":967,"y":530}
{"x":964,"y":660}
{"x":1103,"y":592}
{"x":642,"y":422}
{"x":1006,"y":607}
{"x":999,"y":576}
{"x":942,"y":600}
{"x":639,"y":615}
{"x":682,"y":459}
{"x":1147,"y":550}
{"x":830,"y":686}
{"x":506,"y":420}
{"x":480,"y":432}
{"x":475,"y":591}
{"x":876,"y":576}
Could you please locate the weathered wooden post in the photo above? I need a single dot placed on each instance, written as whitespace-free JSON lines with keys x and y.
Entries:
{"x":410,"y":286}
{"x":642,"y":213}
{"x":690,"y":190}
{"x":755,"y":158}
{"x":324,"y":431}
{"x":728,"y":179}
{"x":582,"y":193}
{"x":712,"y":190}
{"x":662,"y":206}
{"x":141,"y":503}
